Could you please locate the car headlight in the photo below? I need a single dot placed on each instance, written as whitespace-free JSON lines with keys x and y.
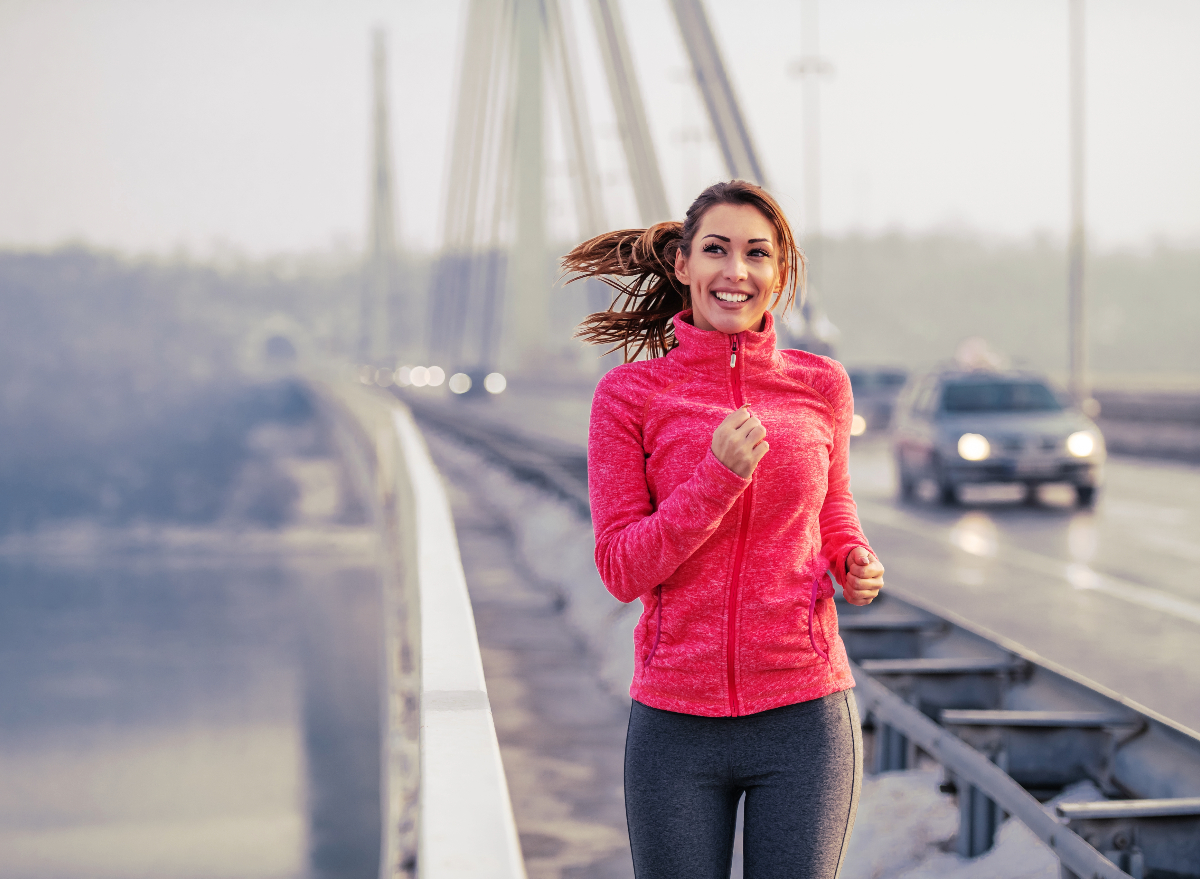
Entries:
{"x":974,"y":447}
{"x":1081,"y":443}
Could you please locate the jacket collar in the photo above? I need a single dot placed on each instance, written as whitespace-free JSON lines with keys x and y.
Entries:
{"x":701,"y":347}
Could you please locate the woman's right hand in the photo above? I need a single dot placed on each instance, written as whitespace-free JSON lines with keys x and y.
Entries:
{"x":739,"y":442}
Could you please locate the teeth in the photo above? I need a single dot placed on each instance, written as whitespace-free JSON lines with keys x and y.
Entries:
{"x":732,"y":297}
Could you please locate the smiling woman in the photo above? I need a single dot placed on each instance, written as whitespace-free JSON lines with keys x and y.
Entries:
{"x":741,"y":230}
{"x":733,"y":269}
{"x":741,"y":683}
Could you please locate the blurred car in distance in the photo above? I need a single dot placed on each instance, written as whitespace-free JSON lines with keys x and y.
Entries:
{"x":875,"y":391}
{"x":958,"y":427}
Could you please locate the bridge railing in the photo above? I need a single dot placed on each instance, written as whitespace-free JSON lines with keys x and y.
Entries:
{"x":447,"y":811}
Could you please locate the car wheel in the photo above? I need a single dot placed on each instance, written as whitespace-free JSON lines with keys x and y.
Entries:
{"x":908,"y":485}
{"x":1085,"y":495}
{"x":947,"y":490}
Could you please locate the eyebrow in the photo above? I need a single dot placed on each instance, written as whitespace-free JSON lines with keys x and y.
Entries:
{"x":726,"y":240}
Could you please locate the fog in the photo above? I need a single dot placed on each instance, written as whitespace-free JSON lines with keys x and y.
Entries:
{"x":238,"y":136}
{"x":189,"y":601}
{"x":149,"y":127}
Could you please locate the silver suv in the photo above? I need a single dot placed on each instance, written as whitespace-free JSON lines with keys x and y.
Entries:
{"x":957,"y":427}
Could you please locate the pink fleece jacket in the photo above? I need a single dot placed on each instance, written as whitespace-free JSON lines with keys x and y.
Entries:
{"x":737,"y":615}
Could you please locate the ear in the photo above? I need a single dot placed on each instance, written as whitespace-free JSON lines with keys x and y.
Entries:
{"x":681,"y":269}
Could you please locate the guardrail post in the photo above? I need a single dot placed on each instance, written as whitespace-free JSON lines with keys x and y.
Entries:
{"x":978,"y":820}
{"x":891,"y":748}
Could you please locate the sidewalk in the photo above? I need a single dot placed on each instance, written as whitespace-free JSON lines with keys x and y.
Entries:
{"x":562,"y":733}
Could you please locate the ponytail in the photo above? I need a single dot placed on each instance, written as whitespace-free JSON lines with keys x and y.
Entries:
{"x":640,"y":265}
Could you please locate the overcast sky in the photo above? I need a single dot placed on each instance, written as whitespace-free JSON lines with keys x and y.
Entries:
{"x":152,"y":125}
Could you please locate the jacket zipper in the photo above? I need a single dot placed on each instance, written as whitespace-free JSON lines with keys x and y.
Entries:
{"x":743,"y":532}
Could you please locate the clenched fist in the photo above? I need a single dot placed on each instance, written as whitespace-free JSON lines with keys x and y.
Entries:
{"x":864,"y":576}
{"x":739,"y":442}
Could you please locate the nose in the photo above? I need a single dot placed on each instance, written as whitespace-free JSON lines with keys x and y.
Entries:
{"x":735,"y":267}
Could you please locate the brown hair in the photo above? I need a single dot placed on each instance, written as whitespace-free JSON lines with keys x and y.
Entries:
{"x":640,"y":265}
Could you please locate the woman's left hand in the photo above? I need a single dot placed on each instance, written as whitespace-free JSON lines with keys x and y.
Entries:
{"x":864,"y":576}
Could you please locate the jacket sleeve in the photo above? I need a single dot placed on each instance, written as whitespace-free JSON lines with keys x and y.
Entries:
{"x":841,"y":531}
{"x":639,"y":545}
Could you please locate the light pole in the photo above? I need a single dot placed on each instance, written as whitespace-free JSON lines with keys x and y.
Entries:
{"x":811,"y":67}
{"x":1076,"y":305}
{"x":375,"y":343}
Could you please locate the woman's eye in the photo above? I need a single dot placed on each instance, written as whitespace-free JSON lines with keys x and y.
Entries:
{"x":760,"y":252}
{"x":713,"y":248}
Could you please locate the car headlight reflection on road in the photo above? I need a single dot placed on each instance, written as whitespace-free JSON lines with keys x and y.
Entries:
{"x":1081,"y":443}
{"x":974,"y":447}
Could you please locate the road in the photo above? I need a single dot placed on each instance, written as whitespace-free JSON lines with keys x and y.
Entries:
{"x":561,"y":730}
{"x":1110,"y":594}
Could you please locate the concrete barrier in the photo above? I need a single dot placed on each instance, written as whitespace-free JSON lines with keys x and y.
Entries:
{"x":447,"y":810}
{"x":1151,"y":423}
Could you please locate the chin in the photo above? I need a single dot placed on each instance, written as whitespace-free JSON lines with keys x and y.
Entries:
{"x":731,"y":324}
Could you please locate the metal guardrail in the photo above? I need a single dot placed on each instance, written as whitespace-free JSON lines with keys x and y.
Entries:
{"x":978,"y":775}
{"x":1011,"y":725}
{"x":447,"y":812}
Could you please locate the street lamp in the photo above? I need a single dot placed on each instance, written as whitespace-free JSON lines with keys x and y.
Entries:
{"x":1080,"y":389}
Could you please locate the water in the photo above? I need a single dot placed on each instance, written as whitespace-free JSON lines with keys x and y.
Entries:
{"x":216,"y":720}
{"x":186,"y":696}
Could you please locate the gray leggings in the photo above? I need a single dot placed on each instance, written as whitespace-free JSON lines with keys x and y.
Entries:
{"x":800,"y":767}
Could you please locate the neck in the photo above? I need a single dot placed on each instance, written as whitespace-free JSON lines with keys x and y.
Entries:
{"x":701,"y":324}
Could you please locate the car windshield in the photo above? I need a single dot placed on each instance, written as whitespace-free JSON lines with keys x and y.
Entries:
{"x":999,"y":396}
{"x":862,"y":381}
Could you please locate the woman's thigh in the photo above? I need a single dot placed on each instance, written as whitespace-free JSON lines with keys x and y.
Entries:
{"x":680,"y":799}
{"x":801,"y":767}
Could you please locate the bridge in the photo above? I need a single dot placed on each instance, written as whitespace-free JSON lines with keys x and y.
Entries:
{"x":387,"y":650}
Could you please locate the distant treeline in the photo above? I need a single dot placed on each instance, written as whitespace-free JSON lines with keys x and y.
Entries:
{"x":910,"y":300}
{"x":123,"y":393}
{"x":114,"y":373}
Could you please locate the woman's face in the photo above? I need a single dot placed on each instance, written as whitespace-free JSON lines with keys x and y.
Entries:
{"x":733,"y":270}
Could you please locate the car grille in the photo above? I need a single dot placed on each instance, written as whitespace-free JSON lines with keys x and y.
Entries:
{"x":1029,"y":443}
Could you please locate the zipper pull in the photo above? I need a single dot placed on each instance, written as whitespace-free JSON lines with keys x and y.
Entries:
{"x":733,"y":354}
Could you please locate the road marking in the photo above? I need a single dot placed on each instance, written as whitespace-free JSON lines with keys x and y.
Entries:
{"x":1079,"y":576}
{"x":1183,"y":549}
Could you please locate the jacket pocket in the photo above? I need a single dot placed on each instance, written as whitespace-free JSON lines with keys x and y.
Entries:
{"x":653,"y":638}
{"x":826,"y":588}
{"x":784,"y":634}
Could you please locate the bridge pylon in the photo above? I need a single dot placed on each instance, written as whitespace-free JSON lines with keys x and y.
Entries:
{"x":490,"y":303}
{"x":491,"y":298}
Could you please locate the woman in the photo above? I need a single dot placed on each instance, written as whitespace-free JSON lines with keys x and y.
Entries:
{"x":721,"y":498}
